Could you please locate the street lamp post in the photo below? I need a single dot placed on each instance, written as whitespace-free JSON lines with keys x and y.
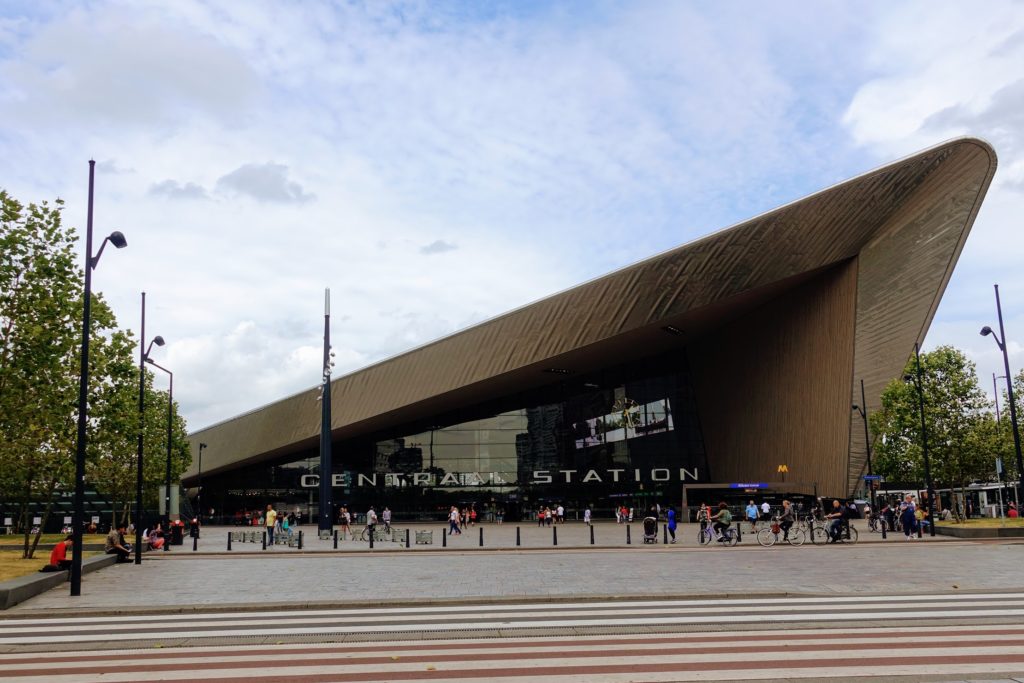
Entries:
{"x":325,"y":520}
{"x":863,"y":410}
{"x":919,"y":381}
{"x":170,"y":418}
{"x":143,"y":357}
{"x":118,"y":240}
{"x":1001,"y":343}
{"x":199,"y":486}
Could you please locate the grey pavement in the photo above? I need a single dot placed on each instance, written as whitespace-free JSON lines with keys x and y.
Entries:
{"x":177,"y":579}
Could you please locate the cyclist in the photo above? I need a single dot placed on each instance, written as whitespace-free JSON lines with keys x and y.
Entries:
{"x":837,"y":516}
{"x":786,"y":519}
{"x":371,"y":520}
{"x":703,"y":516}
{"x":722,"y":521}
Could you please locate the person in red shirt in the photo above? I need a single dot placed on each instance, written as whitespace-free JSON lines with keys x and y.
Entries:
{"x":1013,"y":511}
{"x":59,"y":556}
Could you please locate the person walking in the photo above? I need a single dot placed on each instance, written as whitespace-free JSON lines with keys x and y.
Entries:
{"x":586,"y":516}
{"x":766,"y":511}
{"x":270,"y":518}
{"x":371,"y":520}
{"x":751,"y":513}
{"x":908,"y":517}
{"x":560,"y":511}
{"x":386,"y":518}
{"x":453,"y":522}
{"x":672,"y":523}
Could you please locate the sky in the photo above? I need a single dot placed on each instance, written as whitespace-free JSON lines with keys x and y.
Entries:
{"x":438,"y":163}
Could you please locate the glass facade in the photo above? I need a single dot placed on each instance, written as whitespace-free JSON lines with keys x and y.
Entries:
{"x":627,"y":435}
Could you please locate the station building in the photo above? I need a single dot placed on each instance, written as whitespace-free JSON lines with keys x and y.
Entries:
{"x":714,"y":363}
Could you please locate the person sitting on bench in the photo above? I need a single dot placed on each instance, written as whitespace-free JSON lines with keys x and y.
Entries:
{"x":115,"y":544}
{"x":59,"y":561}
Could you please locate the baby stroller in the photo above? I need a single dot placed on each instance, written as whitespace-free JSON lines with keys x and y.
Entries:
{"x":650,"y":530}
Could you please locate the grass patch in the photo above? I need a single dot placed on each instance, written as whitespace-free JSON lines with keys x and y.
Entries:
{"x":12,"y":566}
{"x":986,"y":522}
{"x":18,"y":540}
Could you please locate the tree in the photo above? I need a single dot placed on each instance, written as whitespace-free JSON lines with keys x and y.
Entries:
{"x":960,"y":430}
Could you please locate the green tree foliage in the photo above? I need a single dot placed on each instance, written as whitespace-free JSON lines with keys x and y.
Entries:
{"x":962,"y":435}
{"x":40,"y":337}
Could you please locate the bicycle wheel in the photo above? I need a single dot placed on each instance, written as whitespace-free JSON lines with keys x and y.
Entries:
{"x":365,"y":536}
{"x":853,"y":536}
{"x":819,"y":535}
{"x":730,"y":536}
{"x":704,"y":536}
{"x":796,"y":536}
{"x":766,"y":538}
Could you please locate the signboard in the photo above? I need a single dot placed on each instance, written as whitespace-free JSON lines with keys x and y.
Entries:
{"x":95,"y":519}
{"x":67,"y":520}
{"x":999,"y":468}
{"x":872,"y":477}
{"x":8,"y":521}
{"x":37,"y":520}
{"x":754,"y":485}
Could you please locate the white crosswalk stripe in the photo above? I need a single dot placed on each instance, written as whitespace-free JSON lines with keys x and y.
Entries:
{"x":748,"y":639}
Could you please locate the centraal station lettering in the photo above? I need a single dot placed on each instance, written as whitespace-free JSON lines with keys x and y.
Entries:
{"x":658,"y":474}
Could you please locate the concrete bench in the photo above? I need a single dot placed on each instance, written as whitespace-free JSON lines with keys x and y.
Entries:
{"x":22,"y":588}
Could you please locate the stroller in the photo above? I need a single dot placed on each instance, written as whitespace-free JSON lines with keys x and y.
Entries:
{"x":650,"y":530}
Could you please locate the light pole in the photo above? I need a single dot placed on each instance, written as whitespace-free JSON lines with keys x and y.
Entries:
{"x":118,"y":240}
{"x":325,"y":520}
{"x":919,"y":381}
{"x":199,"y":489}
{"x":1001,"y":343}
{"x":143,"y":357}
{"x":863,"y":410}
{"x":170,"y":418}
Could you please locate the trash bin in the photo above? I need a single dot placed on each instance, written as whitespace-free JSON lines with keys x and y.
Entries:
{"x":177,"y":534}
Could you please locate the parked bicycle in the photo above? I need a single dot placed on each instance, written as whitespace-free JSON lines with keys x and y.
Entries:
{"x":773,"y":534}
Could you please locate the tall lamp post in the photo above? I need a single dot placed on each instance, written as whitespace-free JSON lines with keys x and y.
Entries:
{"x":863,"y":410}
{"x":918,"y":379}
{"x":170,"y":418}
{"x":1001,"y":343}
{"x":325,"y":520}
{"x":199,"y":486}
{"x":143,"y":357}
{"x":118,"y":240}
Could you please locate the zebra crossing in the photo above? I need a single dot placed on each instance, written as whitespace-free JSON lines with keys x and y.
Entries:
{"x":642,"y":640}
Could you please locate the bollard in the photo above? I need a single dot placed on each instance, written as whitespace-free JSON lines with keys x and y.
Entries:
{"x":847,"y":531}
{"x":372,"y":530}
{"x":444,"y":539}
{"x":920,"y":534}
{"x":300,"y":539}
{"x":664,"y":535}
{"x":739,"y":532}
{"x":229,"y":541}
{"x":628,"y":541}
{"x":195,"y":543}
{"x":264,"y":540}
{"x":554,"y":535}
{"x":407,"y":538}
{"x":591,"y":534}
{"x":481,"y":537}
{"x":883,"y":529}
{"x":517,"y":536}
{"x":335,"y":539}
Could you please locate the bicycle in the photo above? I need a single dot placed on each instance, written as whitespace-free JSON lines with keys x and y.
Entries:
{"x":379,"y":534}
{"x":773,"y":534}
{"x":847,"y":535}
{"x":707,"y":534}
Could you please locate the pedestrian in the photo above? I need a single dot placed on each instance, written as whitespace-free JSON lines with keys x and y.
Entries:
{"x":501,"y":515}
{"x":386,"y":518}
{"x":271,"y":522}
{"x":751,"y":513}
{"x":1012,"y":512}
{"x":586,"y":516}
{"x":672,"y":523}
{"x":346,"y":523}
{"x":561,"y":514}
{"x":908,"y":516}
{"x":540,"y":516}
{"x":453,"y":522}
{"x":703,"y":516}
{"x":766,"y":511}
{"x":549,"y":517}
{"x":472,"y":516}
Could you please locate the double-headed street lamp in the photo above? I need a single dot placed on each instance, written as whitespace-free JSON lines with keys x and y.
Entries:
{"x":918,"y":379}
{"x":118,"y":240}
{"x":143,"y":357}
{"x":199,"y":489}
{"x":863,"y":410}
{"x":170,"y":418}
{"x":1001,"y":343}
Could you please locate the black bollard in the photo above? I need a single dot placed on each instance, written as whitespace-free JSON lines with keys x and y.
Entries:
{"x":300,"y":539}
{"x":883,"y":529}
{"x":628,"y":541}
{"x":591,"y":534}
{"x":444,"y":539}
{"x":229,"y":541}
{"x":406,"y":538}
{"x":335,"y":539}
{"x":481,"y":537}
{"x":920,"y":533}
{"x":664,"y":535}
{"x":517,"y":536}
{"x":264,"y":540}
{"x":739,"y":531}
{"x":554,"y":535}
{"x":195,"y":543}
{"x":371,"y":538}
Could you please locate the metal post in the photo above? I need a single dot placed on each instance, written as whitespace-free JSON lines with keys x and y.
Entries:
{"x":407,"y":537}
{"x":664,"y":534}
{"x":517,"y":536}
{"x":1009,"y":393}
{"x":882,"y":521}
{"x":628,"y":540}
{"x":554,"y":535}
{"x":264,"y":540}
{"x":591,"y":534}
{"x":335,"y":539}
{"x":444,"y":539}
{"x":195,"y":543}
{"x":372,"y":534}
{"x":739,"y":531}
{"x":481,"y":538}
{"x":199,"y":484}
{"x":300,"y":539}
{"x":326,"y":506}
{"x":924,"y":443}
{"x":867,"y":443}
{"x":142,"y":407}
{"x":229,"y":541}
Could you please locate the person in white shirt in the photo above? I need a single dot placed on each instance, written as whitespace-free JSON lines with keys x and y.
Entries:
{"x":766,"y":511}
{"x":586,"y":516}
{"x":561,"y":514}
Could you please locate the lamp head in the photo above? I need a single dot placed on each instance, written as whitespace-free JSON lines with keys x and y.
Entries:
{"x":158,"y":340}
{"x":202,"y":445}
{"x":118,"y":240}
{"x":985,"y":331}
{"x":855,"y":407}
